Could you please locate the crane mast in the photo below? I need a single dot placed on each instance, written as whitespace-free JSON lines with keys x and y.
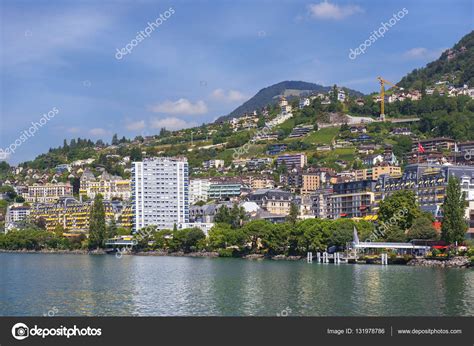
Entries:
{"x":382,"y":96}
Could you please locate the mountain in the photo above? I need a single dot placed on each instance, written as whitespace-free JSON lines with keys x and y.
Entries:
{"x":455,"y":65}
{"x":270,"y":95}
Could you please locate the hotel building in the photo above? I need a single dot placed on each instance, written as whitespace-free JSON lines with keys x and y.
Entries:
{"x":47,"y":193}
{"x":109,"y":186}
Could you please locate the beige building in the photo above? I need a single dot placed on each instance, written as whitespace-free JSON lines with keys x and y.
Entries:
{"x":109,"y":186}
{"x":274,"y":201}
{"x":262,"y":183}
{"x":375,"y":172}
{"x":47,"y":193}
{"x":311,"y":182}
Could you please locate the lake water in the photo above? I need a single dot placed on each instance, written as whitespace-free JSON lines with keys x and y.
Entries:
{"x":85,"y":285}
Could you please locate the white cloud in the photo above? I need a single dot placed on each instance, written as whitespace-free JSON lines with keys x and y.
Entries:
{"x":229,"y":96}
{"x":73,"y":130}
{"x":422,"y":53}
{"x":326,"y":10}
{"x":135,"y":125}
{"x":171,"y":123}
{"x":97,"y":131}
{"x":181,"y":106}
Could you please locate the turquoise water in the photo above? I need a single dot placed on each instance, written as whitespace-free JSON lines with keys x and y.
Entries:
{"x":87,"y":285}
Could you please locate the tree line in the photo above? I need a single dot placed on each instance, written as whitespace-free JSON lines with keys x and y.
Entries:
{"x":234,"y":235}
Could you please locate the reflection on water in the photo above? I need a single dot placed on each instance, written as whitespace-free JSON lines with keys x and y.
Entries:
{"x":78,"y":285}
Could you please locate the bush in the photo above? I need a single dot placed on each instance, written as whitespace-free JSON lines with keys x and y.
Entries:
{"x":226,"y":252}
{"x":470,"y":252}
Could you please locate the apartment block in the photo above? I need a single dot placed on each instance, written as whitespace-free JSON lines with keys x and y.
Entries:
{"x":160,"y":192}
{"x":375,"y":172}
{"x":311,"y":182}
{"x":16,"y":213}
{"x":221,"y":190}
{"x":199,"y":190}
{"x":358,"y":204}
{"x":435,"y":144}
{"x":292,"y":160}
{"x":213,"y":164}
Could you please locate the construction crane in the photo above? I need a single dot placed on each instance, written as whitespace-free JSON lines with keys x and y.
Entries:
{"x":382,"y":96}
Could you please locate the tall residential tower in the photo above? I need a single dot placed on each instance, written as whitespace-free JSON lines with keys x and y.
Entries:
{"x":160,"y":192}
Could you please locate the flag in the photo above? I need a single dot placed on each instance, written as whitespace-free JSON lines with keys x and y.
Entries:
{"x":420,"y":148}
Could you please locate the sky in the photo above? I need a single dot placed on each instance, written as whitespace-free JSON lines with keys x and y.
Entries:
{"x":194,"y":61}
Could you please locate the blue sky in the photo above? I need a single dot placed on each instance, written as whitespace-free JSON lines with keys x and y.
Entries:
{"x":201,"y":62}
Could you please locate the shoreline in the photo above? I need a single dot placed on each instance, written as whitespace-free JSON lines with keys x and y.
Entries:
{"x":455,"y":262}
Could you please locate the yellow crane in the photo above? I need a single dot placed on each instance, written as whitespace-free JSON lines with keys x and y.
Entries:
{"x":382,"y":95}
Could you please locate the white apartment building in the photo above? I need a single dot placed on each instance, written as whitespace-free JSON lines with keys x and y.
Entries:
{"x":213,"y":164}
{"x":199,"y":190}
{"x":160,"y":192}
{"x":15,"y":213}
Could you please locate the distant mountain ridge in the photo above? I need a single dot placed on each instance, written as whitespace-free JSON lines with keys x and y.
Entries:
{"x":455,"y":64}
{"x":269,"y":95}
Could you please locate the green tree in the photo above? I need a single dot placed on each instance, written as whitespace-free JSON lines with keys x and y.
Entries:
{"x":454,"y":226}
{"x":236,"y":215}
{"x":161,"y":238}
{"x":402,"y":146}
{"x":112,"y":229}
{"x":9,"y":191}
{"x":307,"y":235}
{"x":400,"y":209}
{"x":222,"y":236}
{"x":276,"y":240}
{"x":293,"y":215}
{"x":40,"y":223}
{"x":341,"y":232}
{"x":97,"y":227}
{"x":422,"y":228}
{"x":115,"y":140}
{"x":255,"y":231}
{"x":135,"y":154}
{"x":186,"y":240}
{"x":395,"y":234}
{"x":222,"y":215}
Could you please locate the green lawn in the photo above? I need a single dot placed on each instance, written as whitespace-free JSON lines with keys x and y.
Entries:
{"x":322,"y":136}
{"x":247,"y":151}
